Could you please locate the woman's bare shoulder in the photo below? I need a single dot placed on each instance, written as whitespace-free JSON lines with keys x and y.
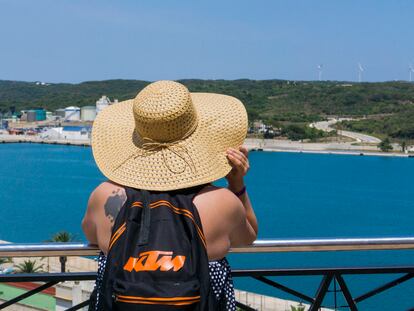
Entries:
{"x":106,"y":188}
{"x":108,"y":196}
{"x":217,"y":198}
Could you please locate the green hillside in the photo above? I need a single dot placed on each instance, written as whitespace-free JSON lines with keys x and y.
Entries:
{"x":277,"y":102}
{"x":25,"y":95}
{"x":399,"y":126}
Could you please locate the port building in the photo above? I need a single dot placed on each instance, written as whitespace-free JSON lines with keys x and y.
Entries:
{"x":36,"y":115}
{"x":103,"y":102}
{"x":78,"y":133}
{"x":88,"y":113}
{"x":72,"y":113}
{"x":60,"y":113}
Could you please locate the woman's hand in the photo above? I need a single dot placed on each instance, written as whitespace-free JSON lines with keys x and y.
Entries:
{"x":240,"y":165}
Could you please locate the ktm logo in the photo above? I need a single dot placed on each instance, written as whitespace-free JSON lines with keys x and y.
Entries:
{"x":154,"y":260}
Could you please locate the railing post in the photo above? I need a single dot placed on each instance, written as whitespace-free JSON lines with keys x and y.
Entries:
{"x":320,"y":294}
{"x":62,"y":260}
{"x":347,"y":294}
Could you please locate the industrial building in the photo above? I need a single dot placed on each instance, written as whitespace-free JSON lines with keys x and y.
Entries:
{"x":104,"y":102}
{"x":36,"y":115}
{"x":4,"y":124}
{"x":68,"y":114}
{"x":88,"y":113}
{"x":72,"y":113}
{"x":60,"y":113}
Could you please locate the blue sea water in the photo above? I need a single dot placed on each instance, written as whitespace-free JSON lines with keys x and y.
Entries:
{"x":44,"y":189}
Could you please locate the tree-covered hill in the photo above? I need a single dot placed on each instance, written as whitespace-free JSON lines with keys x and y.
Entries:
{"x":26,"y":95}
{"x":274,"y":101}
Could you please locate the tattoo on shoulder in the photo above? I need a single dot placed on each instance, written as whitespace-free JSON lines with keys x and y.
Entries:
{"x":114,"y":203}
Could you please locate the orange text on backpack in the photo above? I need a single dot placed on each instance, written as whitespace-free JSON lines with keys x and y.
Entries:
{"x":154,"y":260}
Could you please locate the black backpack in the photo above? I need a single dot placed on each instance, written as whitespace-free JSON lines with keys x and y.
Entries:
{"x":157,"y":258}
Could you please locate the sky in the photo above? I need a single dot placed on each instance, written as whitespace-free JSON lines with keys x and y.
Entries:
{"x":76,"y":40}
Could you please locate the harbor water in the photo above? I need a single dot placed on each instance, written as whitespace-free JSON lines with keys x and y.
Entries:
{"x":44,"y":189}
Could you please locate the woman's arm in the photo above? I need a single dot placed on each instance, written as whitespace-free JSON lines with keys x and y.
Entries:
{"x":104,"y":205}
{"x":240,"y":163}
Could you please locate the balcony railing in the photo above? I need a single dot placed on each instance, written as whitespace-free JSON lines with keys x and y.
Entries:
{"x":329,"y":275}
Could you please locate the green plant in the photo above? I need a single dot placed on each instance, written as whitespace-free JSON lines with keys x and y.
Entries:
{"x":298,"y":308}
{"x":403,"y":146}
{"x":29,"y":266}
{"x":5,"y":260}
{"x":385,"y":145}
{"x":62,"y":236}
{"x":302,"y":131}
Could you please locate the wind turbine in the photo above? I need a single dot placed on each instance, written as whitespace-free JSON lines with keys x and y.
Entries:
{"x":320,"y":72}
{"x":410,"y":70}
{"x":360,"y":71}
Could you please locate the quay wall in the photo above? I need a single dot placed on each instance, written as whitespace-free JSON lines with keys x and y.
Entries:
{"x":272,"y":145}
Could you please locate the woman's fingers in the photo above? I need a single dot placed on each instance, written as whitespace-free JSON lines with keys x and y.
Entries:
{"x":238,"y":160}
{"x":235,"y":163}
{"x":240,"y":155}
{"x":244,"y":151}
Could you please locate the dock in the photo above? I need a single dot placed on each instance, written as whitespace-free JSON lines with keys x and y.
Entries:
{"x":37,"y":140}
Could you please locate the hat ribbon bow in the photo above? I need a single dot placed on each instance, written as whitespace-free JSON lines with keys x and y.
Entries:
{"x":150,"y":146}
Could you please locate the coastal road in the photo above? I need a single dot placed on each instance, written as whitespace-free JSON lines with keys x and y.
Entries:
{"x":362,"y":138}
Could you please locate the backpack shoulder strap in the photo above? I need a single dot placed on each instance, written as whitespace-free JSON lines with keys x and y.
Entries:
{"x":144,"y":231}
{"x":208,"y":301}
{"x":131,"y":195}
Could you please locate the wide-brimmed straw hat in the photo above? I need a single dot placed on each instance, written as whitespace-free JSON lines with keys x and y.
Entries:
{"x":167,"y":138}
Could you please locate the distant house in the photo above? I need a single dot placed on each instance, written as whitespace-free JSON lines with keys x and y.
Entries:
{"x":259,"y":126}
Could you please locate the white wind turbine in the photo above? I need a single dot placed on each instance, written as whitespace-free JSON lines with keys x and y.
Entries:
{"x":320,"y":72}
{"x":410,"y":70}
{"x":360,"y":71}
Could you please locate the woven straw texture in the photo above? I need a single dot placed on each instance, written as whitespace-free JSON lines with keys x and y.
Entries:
{"x":167,"y":138}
